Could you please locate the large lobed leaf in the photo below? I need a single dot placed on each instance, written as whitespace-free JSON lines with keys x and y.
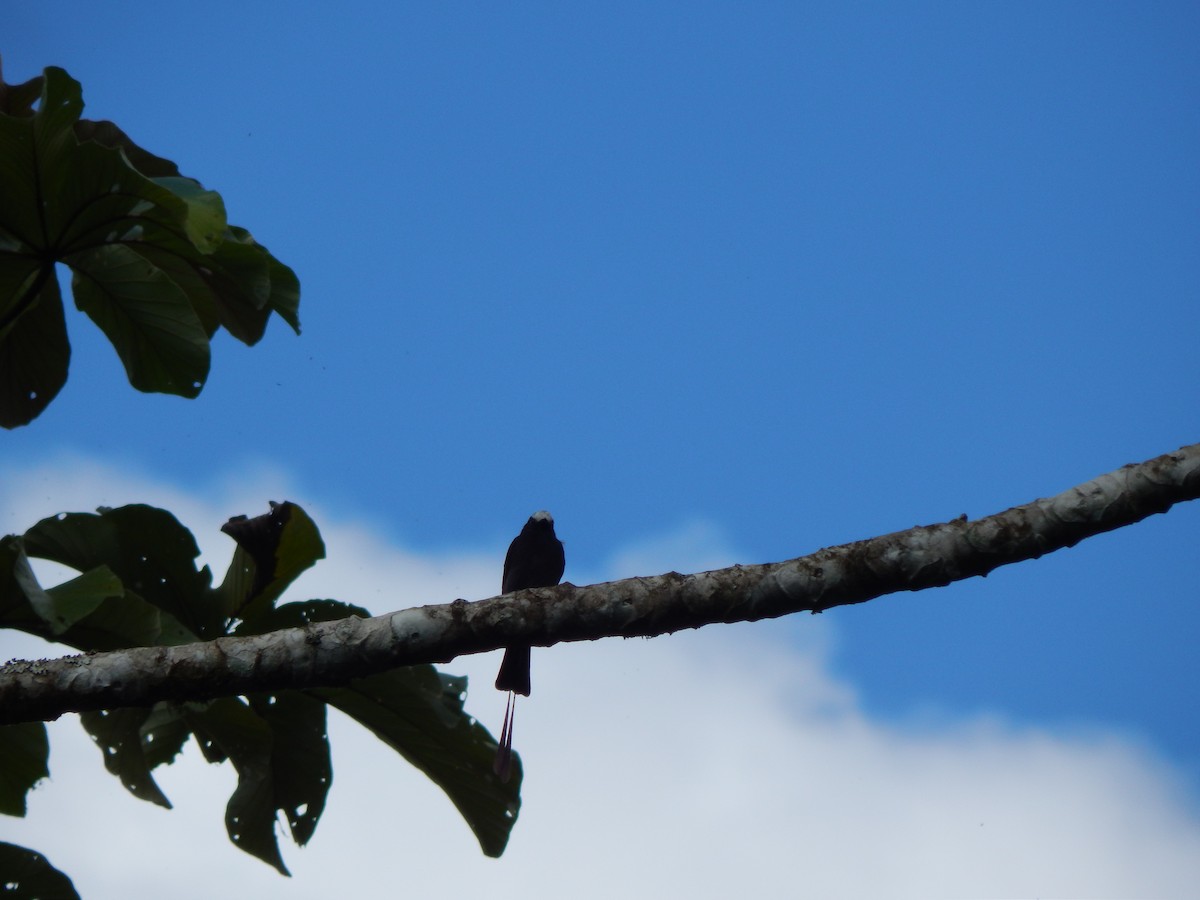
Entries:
{"x":154,"y":558}
{"x":155,"y":263}
{"x":138,"y":584}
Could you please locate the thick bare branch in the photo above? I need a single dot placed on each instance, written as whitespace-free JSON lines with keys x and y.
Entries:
{"x":334,"y":652}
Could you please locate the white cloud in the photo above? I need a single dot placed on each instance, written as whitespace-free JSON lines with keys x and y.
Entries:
{"x":717,"y":763}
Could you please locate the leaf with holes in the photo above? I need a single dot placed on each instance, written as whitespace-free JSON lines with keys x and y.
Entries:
{"x":118,"y":734}
{"x":301,"y":769}
{"x":233,"y":730}
{"x":29,"y":874}
{"x":152,"y":554}
{"x":34,"y":351}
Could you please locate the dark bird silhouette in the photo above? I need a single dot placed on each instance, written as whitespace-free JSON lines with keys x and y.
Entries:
{"x":535,"y":559}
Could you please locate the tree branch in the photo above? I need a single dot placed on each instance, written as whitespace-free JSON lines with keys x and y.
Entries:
{"x":332,"y":653}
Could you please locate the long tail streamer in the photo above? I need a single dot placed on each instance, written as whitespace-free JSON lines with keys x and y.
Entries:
{"x":503,"y":764}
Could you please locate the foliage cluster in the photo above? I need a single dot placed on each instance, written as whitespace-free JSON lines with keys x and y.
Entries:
{"x":156,"y":265}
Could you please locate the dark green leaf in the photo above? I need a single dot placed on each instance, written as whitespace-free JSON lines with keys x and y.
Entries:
{"x":18,"y":99}
{"x":285,"y":292}
{"x":157,"y":267}
{"x":20,"y":216}
{"x":24,"y":750}
{"x":147,"y":548}
{"x":299,"y":614}
{"x":91,"y":194}
{"x":164,"y":734}
{"x":420,"y":715}
{"x":15,"y":609}
{"x":21,"y":281}
{"x":27,"y":875}
{"x":65,"y":605}
{"x":125,"y":620}
{"x":45,"y":619}
{"x":246,"y":739}
{"x":92,"y":611}
{"x":243,"y":285}
{"x":34,"y":351}
{"x":174,"y":260}
{"x":146,"y":315}
{"x":273,"y":550}
{"x":109,"y":135}
{"x":238,"y":587}
{"x":79,"y":598}
{"x":205,"y":222}
{"x":300,"y":764}
{"x":237,"y":286}
{"x":120,"y":619}
{"x":118,"y":734}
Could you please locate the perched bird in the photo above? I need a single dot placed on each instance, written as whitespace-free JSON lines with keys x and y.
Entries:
{"x":535,"y":559}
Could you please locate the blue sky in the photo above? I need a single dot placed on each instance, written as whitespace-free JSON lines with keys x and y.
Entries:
{"x":714,"y":283}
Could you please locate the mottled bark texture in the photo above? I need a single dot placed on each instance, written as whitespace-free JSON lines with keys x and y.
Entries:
{"x":334,"y":652}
